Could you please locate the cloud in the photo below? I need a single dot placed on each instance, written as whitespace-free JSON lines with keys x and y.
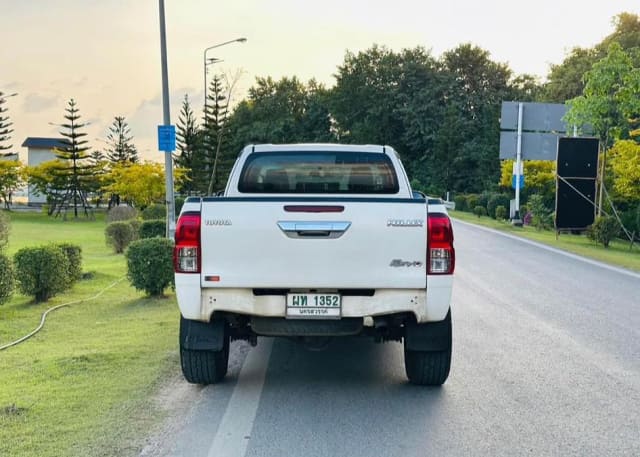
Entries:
{"x":34,"y":103}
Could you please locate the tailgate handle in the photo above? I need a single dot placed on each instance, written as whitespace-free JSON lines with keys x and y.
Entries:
{"x":313,"y":229}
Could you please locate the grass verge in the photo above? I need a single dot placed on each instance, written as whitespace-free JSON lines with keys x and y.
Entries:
{"x":82,"y":385}
{"x":618,"y":253}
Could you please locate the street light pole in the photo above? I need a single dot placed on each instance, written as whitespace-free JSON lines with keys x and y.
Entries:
{"x":168,"y":159}
{"x":205,"y":63}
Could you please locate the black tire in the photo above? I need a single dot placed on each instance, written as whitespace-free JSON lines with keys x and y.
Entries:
{"x":429,"y":368}
{"x":205,"y":367}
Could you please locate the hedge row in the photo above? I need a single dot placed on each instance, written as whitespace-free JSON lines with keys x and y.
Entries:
{"x":495,"y":205}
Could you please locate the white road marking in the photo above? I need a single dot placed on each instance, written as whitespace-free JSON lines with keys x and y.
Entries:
{"x":233,"y":433}
{"x":554,"y":250}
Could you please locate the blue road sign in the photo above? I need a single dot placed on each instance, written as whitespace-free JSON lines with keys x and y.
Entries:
{"x":513,"y":181}
{"x":167,"y":138}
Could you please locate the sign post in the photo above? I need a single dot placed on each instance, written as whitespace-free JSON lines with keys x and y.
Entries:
{"x":165,"y":138}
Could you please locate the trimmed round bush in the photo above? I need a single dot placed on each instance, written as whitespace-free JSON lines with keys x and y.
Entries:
{"x":155,"y":211}
{"x":480,"y":211}
{"x":135,"y":225}
{"x":483,"y":199}
{"x":73,"y":252}
{"x":7,"y":279}
{"x":42,"y":271}
{"x":603,"y":230}
{"x":461,"y":202}
{"x":497,"y":200}
{"x":152,"y":228}
{"x":150,"y":265}
{"x":5,"y":225}
{"x":118,"y":235}
{"x":501,"y":212}
{"x":472,"y":202}
{"x":121,"y":213}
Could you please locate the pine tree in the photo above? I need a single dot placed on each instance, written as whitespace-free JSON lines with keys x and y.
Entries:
{"x":121,"y":149}
{"x":78,"y":170}
{"x":190,"y":150}
{"x":5,"y":126}
{"x":217,"y":159}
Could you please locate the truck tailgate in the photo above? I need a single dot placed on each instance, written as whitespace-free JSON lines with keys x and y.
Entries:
{"x":346,"y":243}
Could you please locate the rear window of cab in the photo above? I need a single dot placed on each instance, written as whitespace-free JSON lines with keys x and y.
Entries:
{"x":323,"y":172}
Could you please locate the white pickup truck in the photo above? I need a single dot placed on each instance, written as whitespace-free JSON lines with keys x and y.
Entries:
{"x":310,"y":242}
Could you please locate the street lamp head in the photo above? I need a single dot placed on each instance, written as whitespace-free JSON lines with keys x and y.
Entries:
{"x":241,"y":40}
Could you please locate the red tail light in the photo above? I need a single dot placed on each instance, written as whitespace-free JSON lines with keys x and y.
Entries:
{"x":441,"y":256}
{"x":186,"y":253}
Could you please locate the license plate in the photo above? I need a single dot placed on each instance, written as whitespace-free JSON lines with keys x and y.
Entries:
{"x":314,"y":306}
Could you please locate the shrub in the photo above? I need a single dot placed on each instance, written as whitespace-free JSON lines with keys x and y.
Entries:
{"x":497,"y":200}
{"x":121,"y":213}
{"x":603,"y":230}
{"x":472,"y":202}
{"x":480,"y":211}
{"x":461,"y":202}
{"x":7,"y":279}
{"x":540,"y":214}
{"x":150,"y":265}
{"x":501,"y":212}
{"x":152,"y":228}
{"x":154,"y":211}
{"x":483,"y":199}
{"x":179,"y":201}
{"x":118,"y":235}
{"x":5,"y":226}
{"x":135,"y":226}
{"x":524,"y":209}
{"x":41,"y":271}
{"x":73,"y":253}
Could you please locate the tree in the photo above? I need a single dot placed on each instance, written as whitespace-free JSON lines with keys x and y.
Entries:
{"x":189,"y":142}
{"x":624,"y":160}
{"x":120,"y":142}
{"x":77,"y":168}
{"x":140,"y":183}
{"x":479,"y":87}
{"x":5,"y":125}
{"x":46,"y":181}
{"x":609,"y":98}
{"x":214,"y":132}
{"x":11,"y":178}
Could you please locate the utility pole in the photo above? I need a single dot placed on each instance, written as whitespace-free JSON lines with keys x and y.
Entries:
{"x":168,"y":159}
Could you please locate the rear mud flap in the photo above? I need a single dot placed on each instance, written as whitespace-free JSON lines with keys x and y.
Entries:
{"x":432,"y":336}
{"x":202,"y":336}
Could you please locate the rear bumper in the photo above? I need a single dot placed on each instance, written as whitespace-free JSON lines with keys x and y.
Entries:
{"x":428,"y":305}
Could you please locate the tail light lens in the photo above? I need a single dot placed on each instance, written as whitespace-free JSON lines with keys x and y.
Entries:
{"x":186,"y":253}
{"x":441,"y":256}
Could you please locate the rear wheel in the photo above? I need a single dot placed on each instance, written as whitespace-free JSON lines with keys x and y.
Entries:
{"x":205,"y":367}
{"x":429,"y":368}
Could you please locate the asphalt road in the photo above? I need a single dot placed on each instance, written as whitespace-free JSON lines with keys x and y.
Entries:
{"x":546,"y":362}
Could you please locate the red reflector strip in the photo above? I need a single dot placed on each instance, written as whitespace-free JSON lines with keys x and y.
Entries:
{"x":313,"y":209}
{"x":212,"y":278}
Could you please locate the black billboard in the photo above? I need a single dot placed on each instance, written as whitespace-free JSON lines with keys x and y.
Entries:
{"x":577,"y":170}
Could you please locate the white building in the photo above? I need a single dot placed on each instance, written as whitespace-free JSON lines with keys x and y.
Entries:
{"x":40,"y":150}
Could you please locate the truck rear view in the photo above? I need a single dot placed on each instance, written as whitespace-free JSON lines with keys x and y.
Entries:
{"x":312,"y":242}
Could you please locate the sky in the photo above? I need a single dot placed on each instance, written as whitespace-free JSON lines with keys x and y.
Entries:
{"x":106,"y":53}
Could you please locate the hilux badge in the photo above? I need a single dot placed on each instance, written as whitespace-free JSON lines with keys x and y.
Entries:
{"x":405,"y":223}
{"x":217,"y":222}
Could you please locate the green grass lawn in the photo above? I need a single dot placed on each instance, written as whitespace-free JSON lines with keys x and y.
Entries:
{"x":618,"y":253}
{"x":82,"y":385}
